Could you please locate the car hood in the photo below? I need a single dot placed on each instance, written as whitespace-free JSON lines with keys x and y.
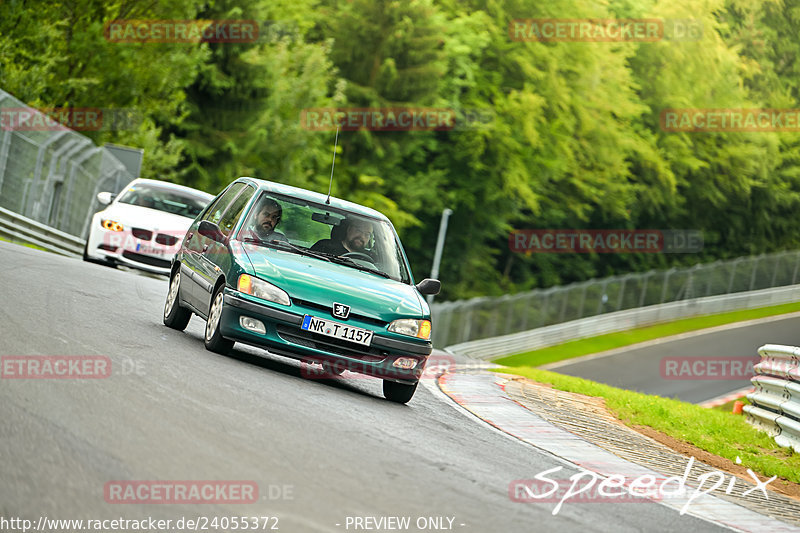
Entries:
{"x":322,"y":282}
{"x":146,"y":218}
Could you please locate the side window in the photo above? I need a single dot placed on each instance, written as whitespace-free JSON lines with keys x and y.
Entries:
{"x":234,"y":212}
{"x":217,"y":209}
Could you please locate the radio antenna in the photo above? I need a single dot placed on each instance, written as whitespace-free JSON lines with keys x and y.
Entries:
{"x":333,"y":164}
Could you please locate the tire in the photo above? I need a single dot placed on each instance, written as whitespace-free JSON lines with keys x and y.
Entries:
{"x":175,"y":316}
{"x":398,"y":392}
{"x":213,"y":339}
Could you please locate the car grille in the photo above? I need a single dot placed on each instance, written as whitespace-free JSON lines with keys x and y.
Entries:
{"x":143,"y":234}
{"x":327,"y":309}
{"x":163,"y":238}
{"x":330,"y":344}
{"x":146,"y":260}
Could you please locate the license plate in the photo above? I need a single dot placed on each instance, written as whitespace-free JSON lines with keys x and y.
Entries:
{"x":147,"y":249}
{"x":337,"y":330}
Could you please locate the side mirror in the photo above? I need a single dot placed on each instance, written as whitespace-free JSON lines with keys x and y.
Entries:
{"x":210,"y":230}
{"x":105,"y":198}
{"x":429,"y":286}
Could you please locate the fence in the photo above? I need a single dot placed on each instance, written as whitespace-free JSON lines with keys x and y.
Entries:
{"x":776,"y":400}
{"x":479,"y":318}
{"x":52,"y":177}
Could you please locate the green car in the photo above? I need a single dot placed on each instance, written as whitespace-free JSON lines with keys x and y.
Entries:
{"x":305,"y":276}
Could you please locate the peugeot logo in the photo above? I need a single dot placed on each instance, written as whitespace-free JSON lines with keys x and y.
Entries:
{"x":340,"y":310}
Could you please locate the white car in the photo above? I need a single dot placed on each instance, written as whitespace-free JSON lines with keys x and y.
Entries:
{"x":143,"y":225}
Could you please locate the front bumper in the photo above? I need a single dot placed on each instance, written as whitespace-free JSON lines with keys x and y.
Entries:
{"x":119,"y":248}
{"x":284,"y":337}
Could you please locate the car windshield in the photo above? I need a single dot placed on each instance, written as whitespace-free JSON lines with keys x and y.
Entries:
{"x":175,"y":201}
{"x":326,"y":233}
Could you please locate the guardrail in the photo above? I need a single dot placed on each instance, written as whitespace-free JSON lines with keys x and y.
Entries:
{"x":534,"y":339}
{"x":52,"y":175}
{"x":776,"y":400}
{"x":19,"y":228}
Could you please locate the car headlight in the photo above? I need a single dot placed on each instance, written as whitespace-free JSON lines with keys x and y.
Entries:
{"x":412,"y":327}
{"x":112,"y":225}
{"x":262,"y":289}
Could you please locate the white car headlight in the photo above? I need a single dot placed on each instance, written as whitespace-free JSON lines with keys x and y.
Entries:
{"x":111,"y":225}
{"x":262,"y":289}
{"x":412,"y":327}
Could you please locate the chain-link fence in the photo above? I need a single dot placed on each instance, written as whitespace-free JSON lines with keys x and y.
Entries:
{"x":52,"y":174}
{"x":479,"y":318}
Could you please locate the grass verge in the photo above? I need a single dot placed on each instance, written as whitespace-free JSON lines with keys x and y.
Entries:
{"x":21,"y":243}
{"x":718,"y":432}
{"x":610,"y":341}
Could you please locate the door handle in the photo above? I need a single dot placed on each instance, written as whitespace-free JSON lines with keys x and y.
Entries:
{"x":189,"y":236}
{"x":205,"y":248}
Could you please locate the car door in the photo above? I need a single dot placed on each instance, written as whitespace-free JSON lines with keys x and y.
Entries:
{"x":215,"y":258}
{"x":196,"y":245}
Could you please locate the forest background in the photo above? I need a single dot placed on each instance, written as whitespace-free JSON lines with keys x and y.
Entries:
{"x":574,"y":138}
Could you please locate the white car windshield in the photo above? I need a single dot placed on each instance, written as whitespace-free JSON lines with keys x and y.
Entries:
{"x":167,"y":199}
{"x":327,"y":233}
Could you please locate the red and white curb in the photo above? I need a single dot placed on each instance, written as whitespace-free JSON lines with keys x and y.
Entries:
{"x":483,"y":395}
{"x":725,"y":398}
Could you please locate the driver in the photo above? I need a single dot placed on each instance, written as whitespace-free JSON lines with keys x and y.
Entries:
{"x":357,"y":235}
{"x":267,"y":217}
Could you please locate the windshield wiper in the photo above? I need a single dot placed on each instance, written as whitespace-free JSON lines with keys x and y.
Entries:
{"x":349,"y":262}
{"x":286,"y":245}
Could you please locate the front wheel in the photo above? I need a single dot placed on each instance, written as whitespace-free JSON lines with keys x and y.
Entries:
{"x":398,"y":392}
{"x":175,"y":316}
{"x":214,"y":340}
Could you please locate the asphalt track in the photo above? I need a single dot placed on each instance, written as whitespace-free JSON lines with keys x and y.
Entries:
{"x":320,"y":451}
{"x":640,"y":367}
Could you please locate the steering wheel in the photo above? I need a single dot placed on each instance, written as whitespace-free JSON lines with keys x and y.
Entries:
{"x":358,"y":255}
